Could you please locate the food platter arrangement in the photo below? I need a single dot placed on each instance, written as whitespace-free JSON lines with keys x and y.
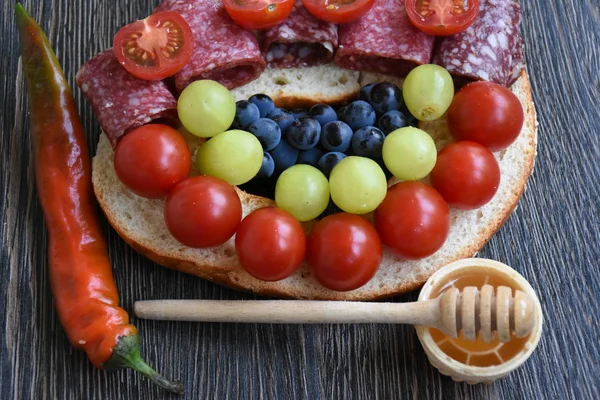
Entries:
{"x":300,"y":149}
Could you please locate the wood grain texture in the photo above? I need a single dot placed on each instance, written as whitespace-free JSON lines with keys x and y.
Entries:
{"x":553,"y":239}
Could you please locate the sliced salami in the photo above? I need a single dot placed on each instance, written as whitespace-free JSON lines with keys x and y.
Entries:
{"x":223,"y":51}
{"x":121,"y":101}
{"x":300,"y":41}
{"x":383,"y":40}
{"x":491,"y":49}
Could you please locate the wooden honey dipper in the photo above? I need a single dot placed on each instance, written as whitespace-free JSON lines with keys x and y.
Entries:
{"x":471,"y":311}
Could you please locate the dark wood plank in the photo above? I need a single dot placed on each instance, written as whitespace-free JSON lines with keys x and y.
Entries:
{"x":553,"y":239}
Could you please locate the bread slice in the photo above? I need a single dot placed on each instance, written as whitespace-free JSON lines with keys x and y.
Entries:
{"x":303,"y":87}
{"x":140,"y":221}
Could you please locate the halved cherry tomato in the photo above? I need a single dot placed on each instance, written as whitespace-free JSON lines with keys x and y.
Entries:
{"x":203,"y":211}
{"x":151,"y":159}
{"x":413,"y":220}
{"x":343,"y":251}
{"x":270,"y":244}
{"x":486,"y":113}
{"x":258,"y":14}
{"x":466,"y":174}
{"x":442,"y":17}
{"x":338,"y":11}
{"x":156,"y":47}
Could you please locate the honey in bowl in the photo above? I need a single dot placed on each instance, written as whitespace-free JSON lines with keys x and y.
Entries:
{"x":477,"y":353}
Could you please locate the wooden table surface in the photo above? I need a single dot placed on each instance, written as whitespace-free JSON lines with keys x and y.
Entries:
{"x":553,"y":239}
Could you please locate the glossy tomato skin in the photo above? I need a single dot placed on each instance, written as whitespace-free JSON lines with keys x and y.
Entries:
{"x":486,"y":113}
{"x":440,"y":17}
{"x":466,"y":174}
{"x":343,"y":251}
{"x":270,"y":244}
{"x":156,"y":47}
{"x":203,"y":211}
{"x":258,"y":15}
{"x":338,"y":12}
{"x":151,"y":159}
{"x":413,"y":220}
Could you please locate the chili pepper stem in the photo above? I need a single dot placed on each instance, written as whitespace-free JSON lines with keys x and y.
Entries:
{"x":127,"y":355}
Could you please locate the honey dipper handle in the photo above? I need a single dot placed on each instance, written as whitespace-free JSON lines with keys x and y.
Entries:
{"x":288,"y":311}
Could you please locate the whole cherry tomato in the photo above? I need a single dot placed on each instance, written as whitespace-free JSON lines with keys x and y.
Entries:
{"x":338,"y":11}
{"x":466,"y":174}
{"x":258,"y":14}
{"x":156,"y":47}
{"x":151,"y":159}
{"x":270,"y":244}
{"x":486,"y":113}
{"x":203,"y":211}
{"x":343,"y":251}
{"x":413,"y":220}
{"x":442,"y":17}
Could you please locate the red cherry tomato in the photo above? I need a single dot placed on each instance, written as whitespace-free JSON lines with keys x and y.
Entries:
{"x":413,"y":220}
{"x":343,"y":251}
{"x":151,"y":159}
{"x":338,"y":11}
{"x":258,"y":14}
{"x":486,"y":113}
{"x":203,"y":211}
{"x":466,"y":174}
{"x":270,"y":244}
{"x":442,"y":17}
{"x":156,"y":47}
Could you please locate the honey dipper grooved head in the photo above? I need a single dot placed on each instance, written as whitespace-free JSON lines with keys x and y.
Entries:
{"x":474,"y":310}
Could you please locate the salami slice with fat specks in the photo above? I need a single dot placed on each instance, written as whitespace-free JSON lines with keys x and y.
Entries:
{"x":491,"y":49}
{"x":223,"y":51}
{"x":300,"y":41}
{"x":383,"y":40}
{"x":121,"y":101}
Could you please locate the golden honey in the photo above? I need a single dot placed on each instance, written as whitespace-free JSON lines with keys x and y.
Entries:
{"x":476,"y":353}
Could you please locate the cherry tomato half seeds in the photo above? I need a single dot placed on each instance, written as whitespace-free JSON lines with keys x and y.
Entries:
{"x":203,"y":211}
{"x":466,"y":174}
{"x":151,"y":159}
{"x":156,"y":47}
{"x":258,"y":14}
{"x":343,"y":251}
{"x":442,"y":17}
{"x":270,"y":244}
{"x":413,"y":220}
{"x":338,"y":11}
{"x":486,"y":113}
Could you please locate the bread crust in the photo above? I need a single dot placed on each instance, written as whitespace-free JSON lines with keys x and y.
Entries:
{"x":228,"y":272}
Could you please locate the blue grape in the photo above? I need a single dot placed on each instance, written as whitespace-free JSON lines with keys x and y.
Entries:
{"x":267,"y":132}
{"x":336,"y":136}
{"x":264,"y":103}
{"x":368,"y":142}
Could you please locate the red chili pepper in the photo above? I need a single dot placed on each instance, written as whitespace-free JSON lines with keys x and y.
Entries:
{"x":80,"y":272}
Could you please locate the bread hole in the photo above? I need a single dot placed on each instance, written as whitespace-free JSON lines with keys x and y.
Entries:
{"x":163,"y":237}
{"x":235,"y":278}
{"x":501,"y":154}
{"x":281,"y":80}
{"x":479,"y":214}
{"x":229,"y":252}
{"x":343,"y":79}
{"x":128,"y":216}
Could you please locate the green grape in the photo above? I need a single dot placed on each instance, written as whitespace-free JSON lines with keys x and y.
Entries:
{"x":357,"y":185}
{"x":234,"y":156}
{"x":428,"y":91}
{"x":303,"y":191}
{"x":206,"y":108}
{"x":409,"y":153}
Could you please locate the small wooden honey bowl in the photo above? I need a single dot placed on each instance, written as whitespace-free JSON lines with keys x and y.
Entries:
{"x":485,"y":359}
